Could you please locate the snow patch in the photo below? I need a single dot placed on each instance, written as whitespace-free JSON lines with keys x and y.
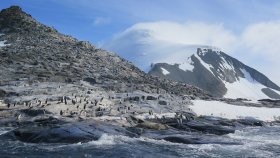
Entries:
{"x":2,"y":43}
{"x":164,"y":71}
{"x":245,"y":87}
{"x":278,"y":92}
{"x":226,"y":65}
{"x":221,"y":109}
{"x":187,"y":65}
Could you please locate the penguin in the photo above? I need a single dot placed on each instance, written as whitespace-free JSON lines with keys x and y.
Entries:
{"x":73,"y":102}
{"x":8,"y":105}
{"x":181,"y":119}
{"x":14,"y":104}
{"x":19,"y":117}
{"x":40,"y":103}
{"x":61,"y":113}
{"x":65,"y":100}
{"x":177,"y":119}
{"x":46,"y":102}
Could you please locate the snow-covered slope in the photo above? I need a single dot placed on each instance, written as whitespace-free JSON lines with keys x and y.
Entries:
{"x":220,"y":75}
{"x":221,"y":109}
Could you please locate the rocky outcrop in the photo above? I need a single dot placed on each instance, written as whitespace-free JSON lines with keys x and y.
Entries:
{"x":69,"y":133}
{"x":38,"y":53}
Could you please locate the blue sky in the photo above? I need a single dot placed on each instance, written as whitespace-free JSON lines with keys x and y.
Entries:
{"x":247,"y":29}
{"x":97,"y":20}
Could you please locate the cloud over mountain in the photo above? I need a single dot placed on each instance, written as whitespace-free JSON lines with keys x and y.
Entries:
{"x":164,"y":41}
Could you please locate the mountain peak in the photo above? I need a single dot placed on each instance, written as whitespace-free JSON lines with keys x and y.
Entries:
{"x":219,"y":74}
{"x":14,"y":13}
{"x":14,"y":19}
{"x":13,"y":9}
{"x":205,"y":49}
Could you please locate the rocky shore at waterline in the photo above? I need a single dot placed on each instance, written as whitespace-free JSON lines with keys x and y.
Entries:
{"x":192,"y":129}
{"x":72,"y":113}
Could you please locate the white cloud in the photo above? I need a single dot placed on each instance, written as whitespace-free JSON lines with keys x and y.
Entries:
{"x":263,"y":39}
{"x":101,"y":21}
{"x":170,"y":42}
{"x":193,"y":33}
{"x":146,"y":43}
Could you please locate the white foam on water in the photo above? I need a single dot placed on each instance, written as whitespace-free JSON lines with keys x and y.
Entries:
{"x":5,"y":130}
{"x":105,"y":139}
{"x":252,"y":134}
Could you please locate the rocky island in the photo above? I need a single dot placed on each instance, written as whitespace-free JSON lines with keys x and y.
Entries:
{"x":56,"y":89}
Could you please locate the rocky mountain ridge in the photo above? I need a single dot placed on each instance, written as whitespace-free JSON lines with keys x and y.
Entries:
{"x":34,"y":53}
{"x":220,"y":75}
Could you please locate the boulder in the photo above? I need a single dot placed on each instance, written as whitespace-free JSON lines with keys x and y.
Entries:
{"x":151,"y":98}
{"x":92,"y":81}
{"x":182,"y":140}
{"x":146,"y":124}
{"x":152,"y":125}
{"x":207,"y":127}
{"x":162,"y":102}
{"x":249,"y":121}
{"x":69,"y":133}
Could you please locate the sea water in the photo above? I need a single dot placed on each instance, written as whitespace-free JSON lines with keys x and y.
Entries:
{"x":257,"y":142}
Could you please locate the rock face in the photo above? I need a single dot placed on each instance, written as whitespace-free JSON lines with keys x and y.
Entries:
{"x":36,"y":53}
{"x":72,"y":133}
{"x":219,"y":74}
